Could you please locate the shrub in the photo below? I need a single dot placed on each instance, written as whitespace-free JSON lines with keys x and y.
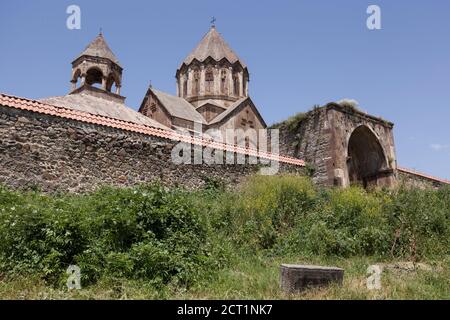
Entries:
{"x":145,"y":232}
{"x":342,"y":223}
{"x":402,"y":223}
{"x":170,"y":236}
{"x":420,"y":222}
{"x":264,"y":209}
{"x":350,"y":103}
{"x":37,"y":234}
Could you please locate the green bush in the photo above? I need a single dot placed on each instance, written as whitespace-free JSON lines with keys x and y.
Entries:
{"x":37,"y":233}
{"x":170,"y":236}
{"x":420,"y":222}
{"x":404,"y":223}
{"x":264,"y":209}
{"x":352,"y":223}
{"x":145,"y":232}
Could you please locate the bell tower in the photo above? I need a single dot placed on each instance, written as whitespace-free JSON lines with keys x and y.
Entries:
{"x":97,"y":69}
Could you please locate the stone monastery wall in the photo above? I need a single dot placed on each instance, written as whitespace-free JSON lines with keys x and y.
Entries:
{"x":413,"y":179}
{"x":58,"y":149}
{"x":56,"y":153}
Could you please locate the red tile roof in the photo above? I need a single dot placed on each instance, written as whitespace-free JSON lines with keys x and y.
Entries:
{"x":423,"y":175}
{"x":39,"y":107}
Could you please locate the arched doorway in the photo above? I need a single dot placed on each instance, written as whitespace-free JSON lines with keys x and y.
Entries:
{"x":366,"y":160}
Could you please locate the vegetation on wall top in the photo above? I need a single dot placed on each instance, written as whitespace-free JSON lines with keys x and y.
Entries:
{"x":291,"y":123}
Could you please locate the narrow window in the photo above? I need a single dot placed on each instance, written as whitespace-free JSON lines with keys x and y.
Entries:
{"x":196,"y":86}
{"x":185,"y":88}
{"x":209,"y":79}
{"x":223,"y":81}
{"x":236,"y":85}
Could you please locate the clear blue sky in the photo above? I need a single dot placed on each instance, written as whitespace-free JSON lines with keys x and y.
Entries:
{"x":299,"y":53}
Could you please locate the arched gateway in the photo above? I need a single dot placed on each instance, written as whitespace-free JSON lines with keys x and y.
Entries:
{"x":343,"y":146}
{"x":366,"y":160}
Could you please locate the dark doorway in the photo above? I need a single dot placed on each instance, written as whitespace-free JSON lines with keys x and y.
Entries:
{"x":366,"y":161}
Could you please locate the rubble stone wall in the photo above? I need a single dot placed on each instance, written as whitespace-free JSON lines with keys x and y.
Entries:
{"x":57,"y":154}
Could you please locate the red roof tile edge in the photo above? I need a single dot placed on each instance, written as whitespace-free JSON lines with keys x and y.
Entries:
{"x":423,"y":175}
{"x":39,"y":107}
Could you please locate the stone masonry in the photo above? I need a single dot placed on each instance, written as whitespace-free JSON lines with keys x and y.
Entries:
{"x":343,"y":146}
{"x":296,"y":278}
{"x":58,"y":154}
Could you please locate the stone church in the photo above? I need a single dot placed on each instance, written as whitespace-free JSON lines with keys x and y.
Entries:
{"x":212,"y":89}
{"x":90,"y":136}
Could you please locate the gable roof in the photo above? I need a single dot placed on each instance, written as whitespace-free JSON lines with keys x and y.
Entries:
{"x":102,"y":107}
{"x":99,"y":48}
{"x":234,"y":108}
{"x":213,"y":45}
{"x":178,"y":107}
{"x":210,"y":102}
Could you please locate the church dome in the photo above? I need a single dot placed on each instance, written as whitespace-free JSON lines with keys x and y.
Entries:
{"x":212,"y":73}
{"x":213,"y":46}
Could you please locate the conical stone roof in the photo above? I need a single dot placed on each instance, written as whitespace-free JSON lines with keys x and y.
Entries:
{"x":99,"y":48}
{"x":213,"y":45}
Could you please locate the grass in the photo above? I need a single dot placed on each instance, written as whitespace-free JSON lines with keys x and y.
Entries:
{"x":256,"y":278}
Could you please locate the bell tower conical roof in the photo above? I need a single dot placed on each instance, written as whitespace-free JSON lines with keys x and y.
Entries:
{"x":99,"y":48}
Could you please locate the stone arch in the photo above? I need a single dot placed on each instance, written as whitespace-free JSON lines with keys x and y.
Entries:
{"x":76,"y":75}
{"x":366,"y":159}
{"x":94,"y":76}
{"x":76,"y":79}
{"x":112,"y":82}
